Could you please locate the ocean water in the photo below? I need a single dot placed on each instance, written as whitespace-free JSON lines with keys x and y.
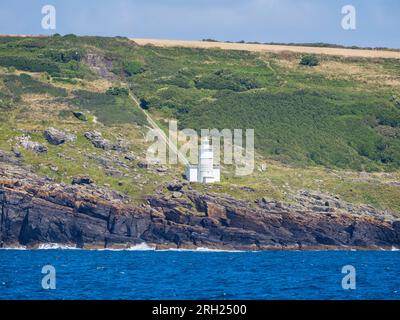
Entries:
{"x":104,"y":274}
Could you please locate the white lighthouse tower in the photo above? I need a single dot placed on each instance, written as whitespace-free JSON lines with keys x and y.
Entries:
{"x":205,"y":171}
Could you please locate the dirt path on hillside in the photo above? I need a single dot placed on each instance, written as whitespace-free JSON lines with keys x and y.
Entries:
{"x":271,"y":48}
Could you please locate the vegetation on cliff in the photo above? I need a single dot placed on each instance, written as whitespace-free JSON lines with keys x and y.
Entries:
{"x":320,"y":128}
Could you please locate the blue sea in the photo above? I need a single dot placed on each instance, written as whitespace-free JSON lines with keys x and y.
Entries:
{"x":103,"y":274}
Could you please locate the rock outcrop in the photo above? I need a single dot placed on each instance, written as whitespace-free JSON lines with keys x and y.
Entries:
{"x":26,"y":143}
{"x":57,"y":137}
{"x":98,"y":141}
{"x":36,"y":210}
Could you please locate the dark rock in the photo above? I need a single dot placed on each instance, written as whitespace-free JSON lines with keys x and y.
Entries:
{"x":82,"y":180}
{"x":17,"y":152}
{"x":175,"y":186}
{"x":130,"y":157}
{"x":80,"y":115}
{"x":143,"y":164}
{"x":247,"y":189}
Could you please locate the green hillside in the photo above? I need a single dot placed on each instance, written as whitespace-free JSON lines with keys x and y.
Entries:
{"x":300,"y":114}
{"x":316,"y":128}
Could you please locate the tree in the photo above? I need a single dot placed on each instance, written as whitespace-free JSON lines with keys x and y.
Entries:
{"x":144,"y":104}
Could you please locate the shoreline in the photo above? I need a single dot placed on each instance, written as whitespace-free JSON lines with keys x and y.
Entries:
{"x":189,"y":248}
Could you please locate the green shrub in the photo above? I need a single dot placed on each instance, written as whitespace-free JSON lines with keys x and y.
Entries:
{"x":24,"y":84}
{"x":66,"y":80}
{"x":309,"y":60}
{"x":116,"y":91}
{"x":63,"y":56}
{"x":133,"y":67}
{"x":225,"y":80}
{"x":109,"y":109}
{"x":30,"y":64}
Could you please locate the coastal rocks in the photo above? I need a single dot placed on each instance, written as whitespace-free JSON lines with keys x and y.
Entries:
{"x":27,"y":144}
{"x":57,"y":137}
{"x":36,"y":210}
{"x":215,"y":211}
{"x":98,"y":141}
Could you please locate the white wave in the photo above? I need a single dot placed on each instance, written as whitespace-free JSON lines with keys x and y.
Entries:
{"x":56,"y":246}
{"x":15,"y":248}
{"x":141,"y":247}
{"x":138,"y":247}
{"x":203,"y":249}
{"x":395,"y":249}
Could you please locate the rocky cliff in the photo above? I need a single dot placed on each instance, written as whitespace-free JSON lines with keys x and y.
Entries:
{"x":37,"y":210}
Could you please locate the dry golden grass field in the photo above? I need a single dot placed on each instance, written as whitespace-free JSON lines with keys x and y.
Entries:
{"x":270,"y":48}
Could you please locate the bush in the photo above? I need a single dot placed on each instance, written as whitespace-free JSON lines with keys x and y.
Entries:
{"x":108,"y":109}
{"x":309,"y":60}
{"x":64,"y":56}
{"x":65,"y":80}
{"x":30,"y":64}
{"x":225,"y":80}
{"x":25,"y":84}
{"x":133,"y":67}
{"x":115,"y":91}
{"x":144,"y":104}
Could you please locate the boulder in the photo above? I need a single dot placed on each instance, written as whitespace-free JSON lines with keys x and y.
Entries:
{"x":57,"y":137}
{"x":175,"y":186}
{"x":34,"y":146}
{"x":82,"y":180}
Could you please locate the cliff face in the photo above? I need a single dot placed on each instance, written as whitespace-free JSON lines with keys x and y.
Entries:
{"x":36,"y":210}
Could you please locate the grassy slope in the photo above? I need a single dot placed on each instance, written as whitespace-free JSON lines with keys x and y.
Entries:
{"x":342,"y":114}
{"x":299,"y":115}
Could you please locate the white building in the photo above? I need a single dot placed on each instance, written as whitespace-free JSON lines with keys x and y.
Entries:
{"x":205,"y":171}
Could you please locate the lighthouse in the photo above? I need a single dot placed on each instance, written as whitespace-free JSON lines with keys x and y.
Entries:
{"x":205,"y":171}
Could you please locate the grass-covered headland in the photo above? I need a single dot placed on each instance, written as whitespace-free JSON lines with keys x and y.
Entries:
{"x":319,"y":126}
